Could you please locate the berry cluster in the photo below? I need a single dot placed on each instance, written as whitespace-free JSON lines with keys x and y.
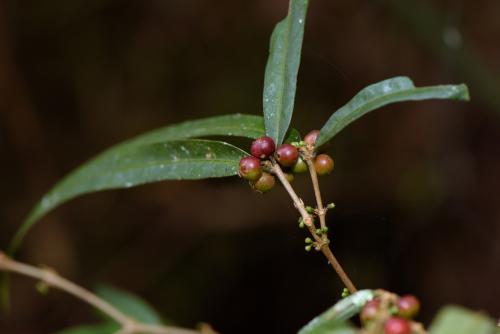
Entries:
{"x":391,"y":313}
{"x":290,"y":156}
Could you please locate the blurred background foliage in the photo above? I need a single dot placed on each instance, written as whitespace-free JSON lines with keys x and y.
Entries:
{"x":416,"y":186}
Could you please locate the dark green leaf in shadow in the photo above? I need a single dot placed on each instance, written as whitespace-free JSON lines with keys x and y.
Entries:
{"x":292,"y":136}
{"x":338,"y":314}
{"x":282,"y":67}
{"x":458,"y":320}
{"x":132,"y":165}
{"x":130,"y":304}
{"x":382,"y":93}
{"x":105,"y":328}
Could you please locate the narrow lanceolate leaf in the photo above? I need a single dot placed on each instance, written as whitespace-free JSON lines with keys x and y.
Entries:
{"x":240,"y":125}
{"x":385,"y":92}
{"x":280,"y":80}
{"x":132,"y":165}
{"x":457,"y":320}
{"x":334,"y":320}
{"x":129,"y":304}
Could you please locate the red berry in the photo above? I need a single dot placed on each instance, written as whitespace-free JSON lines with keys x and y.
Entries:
{"x":369,"y":311}
{"x":265,"y":183}
{"x":250,"y":168}
{"x":323,"y":164}
{"x":311,"y":137}
{"x":300,"y":166}
{"x":408,"y":306}
{"x":262,"y":147}
{"x":287,"y":155}
{"x":397,"y":326}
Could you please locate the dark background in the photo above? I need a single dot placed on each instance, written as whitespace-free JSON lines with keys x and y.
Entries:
{"x":416,"y":186}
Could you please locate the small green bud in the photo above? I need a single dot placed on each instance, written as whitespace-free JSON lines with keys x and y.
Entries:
{"x":309,"y":241}
{"x":331,"y":205}
{"x":309,"y":209}
{"x":308,"y":248}
{"x":393,"y":309}
{"x":319,"y":231}
{"x":302,"y":225}
{"x":42,"y":288}
{"x":325,"y":229}
{"x":345,"y":293}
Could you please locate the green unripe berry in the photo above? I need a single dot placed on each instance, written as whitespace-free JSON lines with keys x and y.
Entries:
{"x":308,"y":241}
{"x":300,"y":166}
{"x":287,"y":155}
{"x":308,"y":248}
{"x":345,"y":293}
{"x":289,"y":177}
{"x":309,"y":209}
{"x":407,"y":306}
{"x":250,"y":168}
{"x":265,"y":183}
{"x":302,"y":225}
{"x":323,"y":164}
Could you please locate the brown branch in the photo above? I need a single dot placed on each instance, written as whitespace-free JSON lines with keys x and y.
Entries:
{"x":321,"y":211}
{"x":308,"y":221}
{"x":51,"y":278}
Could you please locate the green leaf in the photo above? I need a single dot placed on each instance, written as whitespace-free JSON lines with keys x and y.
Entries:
{"x":280,"y":80}
{"x":240,"y":125}
{"x":292,"y":136}
{"x":105,"y":328}
{"x":457,"y":320}
{"x":338,"y":314}
{"x":130,"y":304}
{"x":135,"y":164}
{"x":385,"y":92}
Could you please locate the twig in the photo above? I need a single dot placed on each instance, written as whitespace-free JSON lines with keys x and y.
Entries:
{"x":308,"y":221}
{"x":51,"y":278}
{"x":321,"y":211}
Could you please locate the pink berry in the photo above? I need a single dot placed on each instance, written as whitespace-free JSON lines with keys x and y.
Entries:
{"x":287,"y":155}
{"x":408,"y":306}
{"x":250,"y":168}
{"x":262,"y":147}
{"x":369,"y":311}
{"x":397,"y":326}
{"x":311,"y":137}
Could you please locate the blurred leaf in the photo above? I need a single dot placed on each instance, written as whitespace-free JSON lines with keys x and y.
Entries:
{"x":132,"y":165}
{"x":457,"y":320}
{"x":129,"y":304}
{"x":280,"y":80}
{"x":382,"y":93}
{"x":336,"y":316}
{"x":105,"y":328}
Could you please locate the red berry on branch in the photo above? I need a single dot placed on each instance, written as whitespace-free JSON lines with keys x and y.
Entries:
{"x":323,"y":164}
{"x":262,"y":147}
{"x":287,"y":155}
{"x":396,"y":325}
{"x":408,"y":306}
{"x":250,"y":168}
{"x":369,"y":311}
{"x":265,"y":183}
